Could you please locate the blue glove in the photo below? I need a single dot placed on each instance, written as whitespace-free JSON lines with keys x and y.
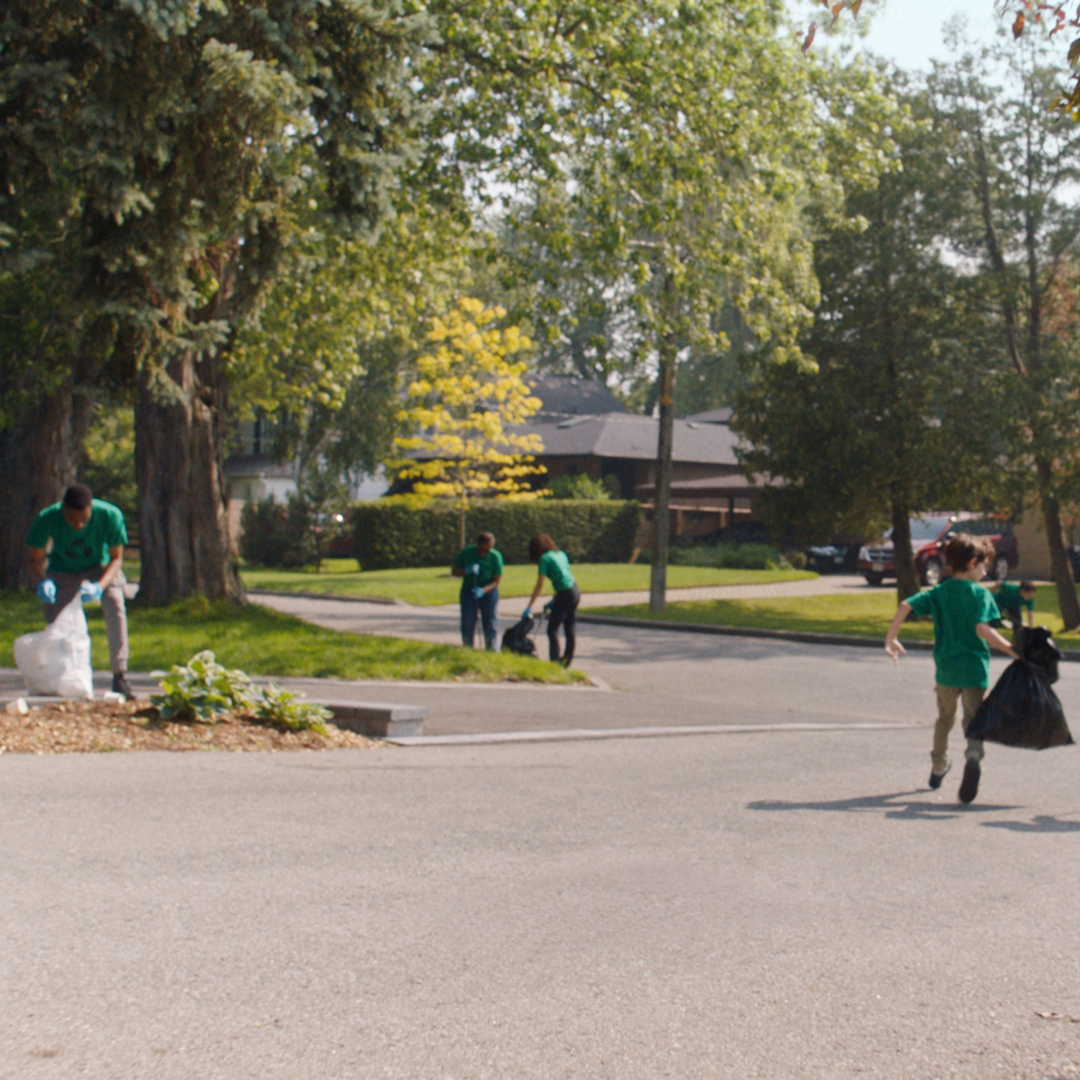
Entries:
{"x":46,"y":591}
{"x":478,"y":592}
{"x":474,"y":570}
{"x":89,"y":591}
{"x":526,"y":613}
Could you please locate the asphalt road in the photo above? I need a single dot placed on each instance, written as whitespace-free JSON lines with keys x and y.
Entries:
{"x":752,"y":905}
{"x":771,"y":903}
{"x":660,"y":677}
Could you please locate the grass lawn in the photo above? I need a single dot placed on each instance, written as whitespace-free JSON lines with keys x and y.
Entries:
{"x":264,"y":642}
{"x":433,"y":585}
{"x":863,"y":613}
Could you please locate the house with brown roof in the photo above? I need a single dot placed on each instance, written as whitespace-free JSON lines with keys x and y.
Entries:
{"x":708,"y":489}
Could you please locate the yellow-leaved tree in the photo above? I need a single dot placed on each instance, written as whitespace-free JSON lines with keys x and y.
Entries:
{"x":468,"y":395}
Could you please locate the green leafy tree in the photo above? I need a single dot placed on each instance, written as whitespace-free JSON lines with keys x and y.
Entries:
{"x":220,"y":122}
{"x":468,"y":396}
{"x":898,"y":413}
{"x":1012,"y":166}
{"x":683,"y":182}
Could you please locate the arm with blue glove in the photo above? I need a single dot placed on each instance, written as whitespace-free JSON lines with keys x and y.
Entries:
{"x":90,"y":592}
{"x":46,"y":591}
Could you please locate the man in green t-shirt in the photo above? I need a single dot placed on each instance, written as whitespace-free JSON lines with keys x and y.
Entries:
{"x":76,"y":548}
{"x":1011,"y":598}
{"x":963,"y":612}
{"x":480,"y":567}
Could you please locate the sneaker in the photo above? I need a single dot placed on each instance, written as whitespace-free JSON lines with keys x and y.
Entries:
{"x":969,"y":786}
{"x":120,"y":685}
{"x":937,"y":777}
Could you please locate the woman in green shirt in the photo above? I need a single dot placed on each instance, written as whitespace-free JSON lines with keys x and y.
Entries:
{"x":553,"y":564}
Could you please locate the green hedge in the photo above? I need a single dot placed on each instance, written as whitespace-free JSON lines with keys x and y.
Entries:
{"x":390,"y":536}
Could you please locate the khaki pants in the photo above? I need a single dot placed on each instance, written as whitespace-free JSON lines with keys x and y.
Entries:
{"x":947,"y":698}
{"x":112,"y":604}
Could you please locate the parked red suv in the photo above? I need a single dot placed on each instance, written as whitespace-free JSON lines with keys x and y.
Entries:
{"x":929,"y":535}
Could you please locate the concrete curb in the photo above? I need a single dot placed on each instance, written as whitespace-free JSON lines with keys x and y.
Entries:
{"x":389,"y":601}
{"x":803,"y":636}
{"x":588,"y":734}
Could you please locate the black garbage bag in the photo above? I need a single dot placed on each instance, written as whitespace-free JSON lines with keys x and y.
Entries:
{"x":1038,"y":648}
{"x":517,"y":640}
{"x":1022,"y":710}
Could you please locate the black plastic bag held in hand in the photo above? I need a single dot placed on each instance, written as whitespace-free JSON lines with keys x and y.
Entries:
{"x":1022,"y":710}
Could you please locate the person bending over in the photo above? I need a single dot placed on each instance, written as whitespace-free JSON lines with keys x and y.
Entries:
{"x":554,"y":565}
{"x":87,"y":537}
{"x":1011,"y":598}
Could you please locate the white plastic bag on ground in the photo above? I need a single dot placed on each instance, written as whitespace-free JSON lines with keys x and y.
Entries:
{"x":56,"y":661}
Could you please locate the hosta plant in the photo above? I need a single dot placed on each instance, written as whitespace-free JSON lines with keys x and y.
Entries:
{"x":201,"y":689}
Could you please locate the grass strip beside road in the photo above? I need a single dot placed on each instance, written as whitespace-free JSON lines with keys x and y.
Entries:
{"x":863,"y":614}
{"x":434,"y":585}
{"x":264,"y":642}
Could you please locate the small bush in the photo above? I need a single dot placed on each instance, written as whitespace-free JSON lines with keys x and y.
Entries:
{"x":276,"y":535}
{"x":277,"y":706}
{"x":201,"y":689}
{"x":795,"y":559}
{"x":578,"y":486}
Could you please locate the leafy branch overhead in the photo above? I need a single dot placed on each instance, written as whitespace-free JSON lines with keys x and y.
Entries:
{"x":1050,"y":17}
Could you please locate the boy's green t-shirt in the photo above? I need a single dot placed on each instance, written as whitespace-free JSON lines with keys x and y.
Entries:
{"x":491,"y":566}
{"x":1008,"y":596}
{"x":75,"y":551}
{"x":556,"y":566}
{"x":957,"y":606}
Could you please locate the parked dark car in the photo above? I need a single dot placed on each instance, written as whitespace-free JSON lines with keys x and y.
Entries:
{"x":835,"y":558}
{"x":929,"y":535}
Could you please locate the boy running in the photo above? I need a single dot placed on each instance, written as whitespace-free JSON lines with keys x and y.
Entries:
{"x":962,"y":611}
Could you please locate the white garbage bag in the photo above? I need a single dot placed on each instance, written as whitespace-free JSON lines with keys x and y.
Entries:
{"x":56,"y":661}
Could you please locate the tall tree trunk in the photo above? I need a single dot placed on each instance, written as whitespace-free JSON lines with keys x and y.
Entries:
{"x":37,"y":461}
{"x":662,"y":496}
{"x":907,"y":583}
{"x":179,"y":465}
{"x":1060,"y":566}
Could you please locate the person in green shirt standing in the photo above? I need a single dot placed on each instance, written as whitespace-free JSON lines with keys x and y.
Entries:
{"x":554,"y":565}
{"x":76,"y":548}
{"x":963,"y":612}
{"x":480,"y":567}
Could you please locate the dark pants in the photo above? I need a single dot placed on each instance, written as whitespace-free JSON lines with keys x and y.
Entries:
{"x":564,"y":614}
{"x":486,"y":607}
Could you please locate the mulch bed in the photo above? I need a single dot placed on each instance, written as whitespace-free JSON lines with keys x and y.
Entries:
{"x":94,"y":726}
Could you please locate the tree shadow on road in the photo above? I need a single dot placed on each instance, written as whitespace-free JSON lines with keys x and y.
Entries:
{"x":1040,"y":823}
{"x":900,"y":805}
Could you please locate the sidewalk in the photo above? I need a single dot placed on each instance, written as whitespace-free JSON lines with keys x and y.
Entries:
{"x":821,"y":586}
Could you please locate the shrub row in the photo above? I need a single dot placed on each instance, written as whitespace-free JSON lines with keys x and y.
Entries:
{"x":727,"y":556}
{"x":392,"y":536}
